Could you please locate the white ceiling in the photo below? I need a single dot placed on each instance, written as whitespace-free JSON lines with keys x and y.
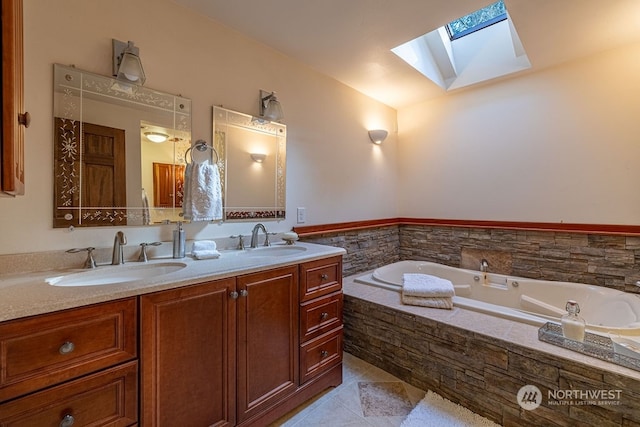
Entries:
{"x":350,"y":40}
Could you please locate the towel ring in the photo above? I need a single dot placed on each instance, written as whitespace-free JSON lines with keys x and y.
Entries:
{"x":201,"y":145}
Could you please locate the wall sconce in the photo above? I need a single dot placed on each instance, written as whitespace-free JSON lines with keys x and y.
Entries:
{"x":377,"y":136}
{"x":270,"y":107}
{"x":258,"y":157}
{"x":157,"y":137}
{"x":126,"y":62}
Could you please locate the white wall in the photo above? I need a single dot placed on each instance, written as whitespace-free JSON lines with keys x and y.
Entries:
{"x":560,"y":145}
{"x":332,"y":168}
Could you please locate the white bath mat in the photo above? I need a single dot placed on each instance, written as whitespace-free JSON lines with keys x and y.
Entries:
{"x":436,"y":411}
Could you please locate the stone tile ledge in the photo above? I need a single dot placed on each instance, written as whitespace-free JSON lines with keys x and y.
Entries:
{"x":508,"y":331}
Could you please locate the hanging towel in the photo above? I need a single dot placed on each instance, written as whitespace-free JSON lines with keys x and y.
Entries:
{"x":444,"y":302}
{"x":424,"y":285}
{"x":205,"y":249}
{"x":203,"y":192}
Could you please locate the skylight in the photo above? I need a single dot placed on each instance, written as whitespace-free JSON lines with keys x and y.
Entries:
{"x":477,"y":20}
{"x":477,"y":47}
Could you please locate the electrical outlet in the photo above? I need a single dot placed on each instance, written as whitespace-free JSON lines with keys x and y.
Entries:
{"x":302,"y":215}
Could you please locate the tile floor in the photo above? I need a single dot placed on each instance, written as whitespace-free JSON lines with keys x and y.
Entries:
{"x":368,"y":396}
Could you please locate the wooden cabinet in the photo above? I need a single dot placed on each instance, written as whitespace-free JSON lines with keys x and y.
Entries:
{"x":80,"y":362}
{"x":240,"y":351}
{"x":199,"y":341}
{"x":321,"y":317}
{"x":267,"y":339}
{"x":187,"y":352}
{"x":14,"y":120}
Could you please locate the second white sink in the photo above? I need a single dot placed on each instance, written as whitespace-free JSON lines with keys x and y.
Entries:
{"x":111,"y":275}
{"x":273,"y":251}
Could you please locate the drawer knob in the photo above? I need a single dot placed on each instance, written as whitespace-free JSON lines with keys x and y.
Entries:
{"x":324,"y":276}
{"x":67,"y":421}
{"x":67,"y":348}
{"x":324,"y":315}
{"x":324,"y":354}
{"x":244,"y":292}
{"x":233,"y":295}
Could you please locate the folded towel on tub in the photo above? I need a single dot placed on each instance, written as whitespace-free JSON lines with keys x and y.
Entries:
{"x":424,"y":285}
{"x":443,"y":302}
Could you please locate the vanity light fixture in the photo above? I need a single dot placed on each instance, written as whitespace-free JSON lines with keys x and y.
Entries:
{"x":270,"y":107}
{"x":157,"y":137}
{"x":378,"y":136}
{"x":258,"y":157}
{"x":126,"y":62}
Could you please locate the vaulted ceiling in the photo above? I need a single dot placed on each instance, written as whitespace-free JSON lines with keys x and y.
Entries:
{"x":350,"y":40}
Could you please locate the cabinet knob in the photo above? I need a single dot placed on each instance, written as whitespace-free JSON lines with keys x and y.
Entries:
{"x":67,"y":421}
{"x":324,"y":315}
{"x":67,"y":348}
{"x":244,"y":292}
{"x":324,"y":276}
{"x":324,"y":354}
{"x":233,"y":295}
{"x":24,"y":119}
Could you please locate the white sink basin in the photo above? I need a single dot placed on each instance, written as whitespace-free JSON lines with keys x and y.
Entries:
{"x":111,"y":275}
{"x":272,"y":251}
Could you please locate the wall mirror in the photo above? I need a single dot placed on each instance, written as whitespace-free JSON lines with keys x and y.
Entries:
{"x":119,"y":151}
{"x":252,"y":165}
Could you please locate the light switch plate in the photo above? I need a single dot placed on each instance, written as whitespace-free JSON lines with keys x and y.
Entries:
{"x":302,"y":215}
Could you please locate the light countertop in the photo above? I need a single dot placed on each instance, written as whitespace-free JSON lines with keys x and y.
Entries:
{"x":27,"y":294}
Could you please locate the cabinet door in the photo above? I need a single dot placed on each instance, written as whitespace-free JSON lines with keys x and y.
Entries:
{"x":12,"y":136}
{"x":188,"y":356}
{"x":267,"y":339}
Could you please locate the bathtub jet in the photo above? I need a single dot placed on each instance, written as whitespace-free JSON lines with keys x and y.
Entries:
{"x":525,"y":300}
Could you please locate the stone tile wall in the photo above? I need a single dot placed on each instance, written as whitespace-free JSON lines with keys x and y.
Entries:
{"x":482,"y":373}
{"x":366,"y":249}
{"x":603,"y":260}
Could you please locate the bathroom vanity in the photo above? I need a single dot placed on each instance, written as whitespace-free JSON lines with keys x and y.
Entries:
{"x":240,"y":344}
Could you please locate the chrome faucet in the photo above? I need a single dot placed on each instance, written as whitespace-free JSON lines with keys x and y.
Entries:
{"x":484,"y":265}
{"x":118,"y":242}
{"x":254,"y":236}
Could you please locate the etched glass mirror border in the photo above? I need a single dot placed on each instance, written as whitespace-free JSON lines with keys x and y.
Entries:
{"x":84,"y":101}
{"x":252,"y":166}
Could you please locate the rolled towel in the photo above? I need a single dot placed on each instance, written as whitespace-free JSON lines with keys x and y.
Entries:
{"x":205,"y":249}
{"x":205,"y":245}
{"x":444,"y":302}
{"x":424,"y":285}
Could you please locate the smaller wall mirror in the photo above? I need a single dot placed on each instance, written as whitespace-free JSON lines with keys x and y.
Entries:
{"x":252,"y":165}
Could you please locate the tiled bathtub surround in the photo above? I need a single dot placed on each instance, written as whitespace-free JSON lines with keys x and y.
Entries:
{"x":605,"y":260}
{"x":481,"y":362}
{"x":366,"y":249}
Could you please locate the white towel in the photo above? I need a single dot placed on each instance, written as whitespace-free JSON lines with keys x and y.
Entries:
{"x":205,"y":249}
{"x":424,"y":285}
{"x":202,"y":192}
{"x":444,"y":302}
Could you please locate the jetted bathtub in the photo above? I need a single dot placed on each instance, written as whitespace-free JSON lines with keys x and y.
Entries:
{"x":525,"y":300}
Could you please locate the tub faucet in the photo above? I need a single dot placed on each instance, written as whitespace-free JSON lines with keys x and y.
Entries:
{"x":118,"y":242}
{"x":254,"y":235}
{"x":484,"y":265}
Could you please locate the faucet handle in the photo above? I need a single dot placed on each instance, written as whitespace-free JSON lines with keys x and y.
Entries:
{"x":266,"y":238}
{"x":240,"y":237}
{"x":89,"y":262}
{"x":143,"y":250}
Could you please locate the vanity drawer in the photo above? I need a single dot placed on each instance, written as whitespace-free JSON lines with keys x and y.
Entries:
{"x":320,"y":354}
{"x":107,"y":398}
{"x":320,"y":315}
{"x":320,"y":278}
{"x":40,"y":351}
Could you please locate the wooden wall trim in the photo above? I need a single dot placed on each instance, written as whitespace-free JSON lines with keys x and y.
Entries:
{"x":630,"y":230}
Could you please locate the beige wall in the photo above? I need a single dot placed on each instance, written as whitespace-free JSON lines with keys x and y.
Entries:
{"x":333,"y":169}
{"x":560,"y":145}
